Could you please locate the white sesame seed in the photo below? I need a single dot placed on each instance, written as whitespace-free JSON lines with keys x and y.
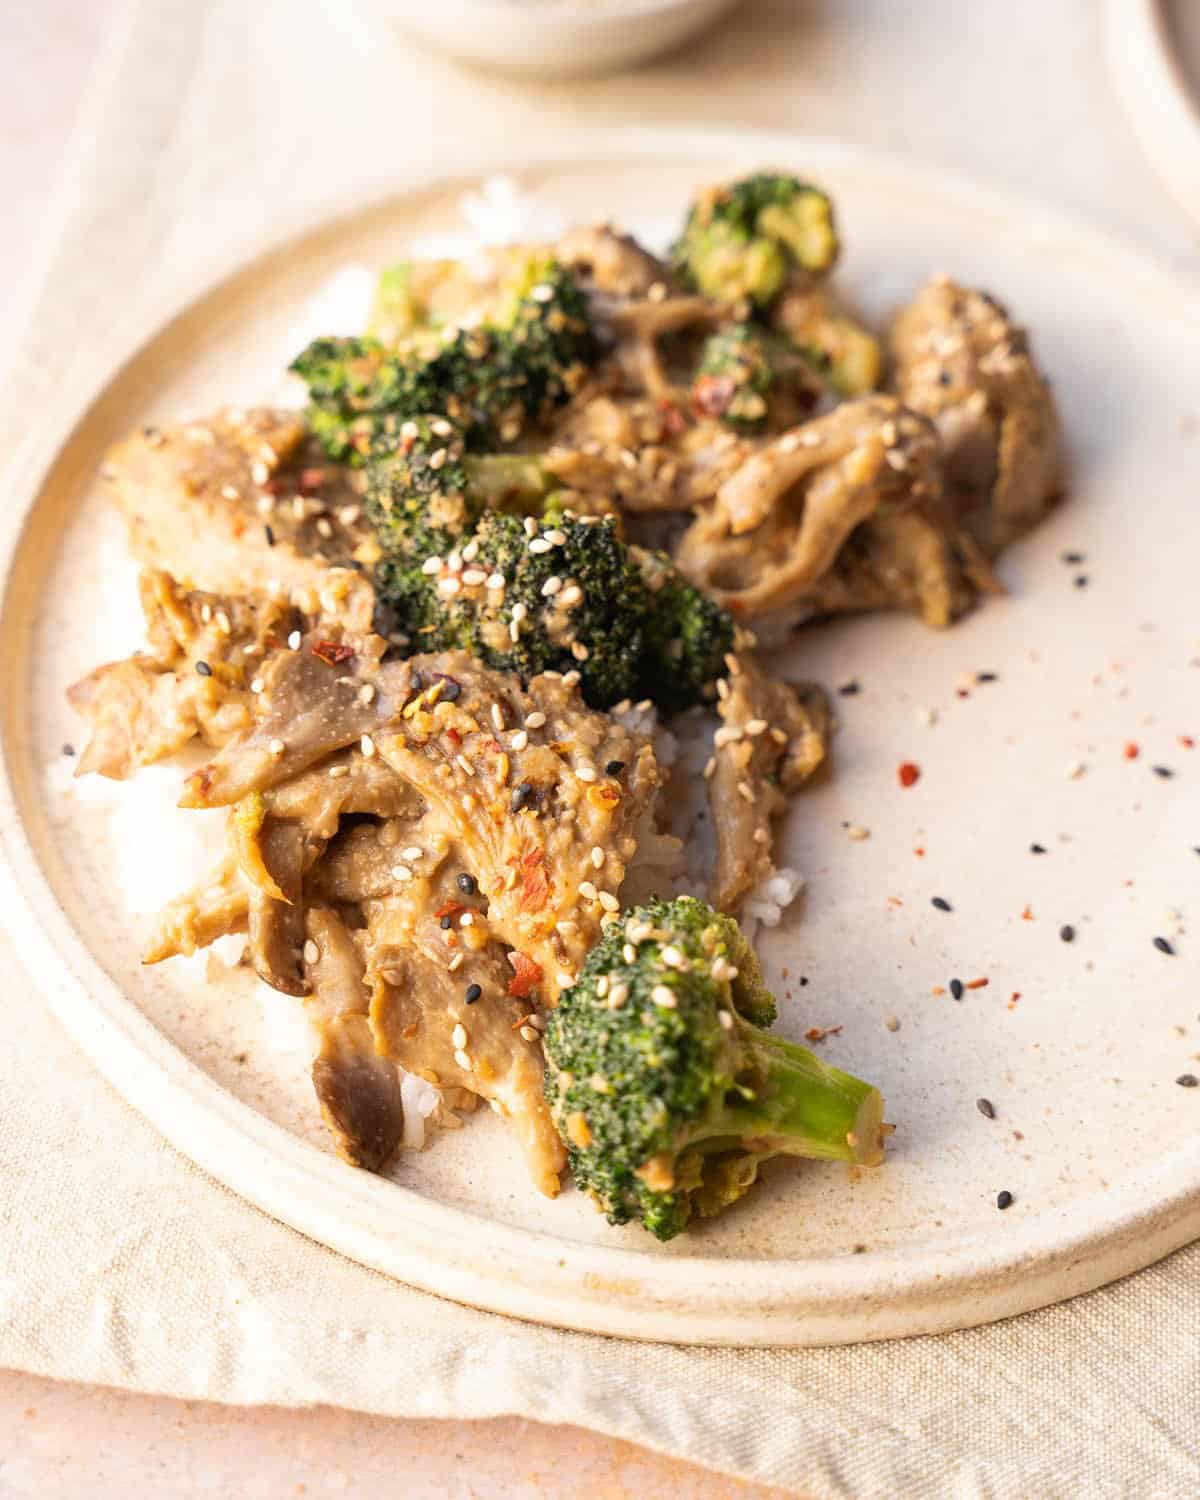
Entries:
{"x":520,"y":740}
{"x":571,"y":596}
{"x":662,"y":996}
{"x":497,"y":718}
{"x":223,"y":623}
{"x":401,"y":873}
{"x":710,"y":766}
{"x":410,"y":430}
{"x":722,"y":688}
{"x":629,"y":953}
{"x":437,"y":458}
{"x":456,"y":962}
{"x":295,"y":639}
{"x":555,"y":537}
{"x":551,"y":586}
{"x":514,"y":631}
{"x":440,"y":427}
{"x":519,"y":611}
{"x":728,"y":734}
{"x":311,"y":952}
{"x":464,"y":1062}
{"x":324,"y":527}
{"x":530,"y":1034}
{"x":454,"y":561}
{"x":471,"y":551}
{"x":673,"y":958}
{"x":349,"y":514}
{"x":414,"y":851}
{"x":467,"y":919}
{"x":779,"y":736}
{"x":257,"y":685}
{"x":587,"y":890}
{"x":431,"y":565}
{"x":726,"y":1019}
{"x":858,"y":833}
{"x":597,"y":857}
{"x":535,"y":720}
{"x":464,"y":765}
{"x":745,"y":791}
{"x":722,"y":969}
{"x":539,"y":545}
{"x":570,"y":679}
{"x":473,"y":577}
{"x":230,"y":492}
{"x":459,"y":1035}
{"x":579,"y":651}
{"x":531,"y":526}
{"x":755,"y":727}
{"x":337,"y":771}
{"x":449,"y":586}
{"x":259,"y":472}
{"x":586,"y":773}
{"x":496,"y":581}
{"x":565,"y":980}
{"x":277,"y":747}
{"x":609,"y":902}
{"x":542,"y":292}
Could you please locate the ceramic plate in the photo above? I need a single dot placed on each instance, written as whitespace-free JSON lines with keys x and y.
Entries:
{"x":1094,"y":649}
{"x":1154,"y":52}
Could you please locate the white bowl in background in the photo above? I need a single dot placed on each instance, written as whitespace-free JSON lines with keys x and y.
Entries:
{"x":554,"y":38}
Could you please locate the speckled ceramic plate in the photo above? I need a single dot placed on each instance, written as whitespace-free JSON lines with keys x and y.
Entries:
{"x":1077,"y":1044}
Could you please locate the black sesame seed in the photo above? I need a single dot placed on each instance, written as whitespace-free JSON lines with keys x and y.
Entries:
{"x":451,"y":690}
{"x":1004,"y":1199}
{"x":472,"y":994}
{"x":1188,"y":1081}
{"x":1037,"y":848}
{"x":204,"y":669}
{"x":521,"y":797}
{"x":68,"y":748}
{"x":1081,"y":580}
{"x":942,"y":904}
{"x":446,"y":923}
{"x":943,"y":377}
{"x":986,"y":677}
{"x":269,"y":533}
{"x":956,"y":988}
{"x":849,"y":689}
{"x":1164,"y":771}
{"x":467,"y":884}
{"x":1072,"y":557}
{"x":986,"y":1108}
{"x":614,"y":767}
{"x":1164,"y":946}
{"x":803,"y":980}
{"x":1067,"y":933}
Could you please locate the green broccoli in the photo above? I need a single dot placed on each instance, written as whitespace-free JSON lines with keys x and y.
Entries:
{"x":491,"y":380}
{"x":664,"y":1086}
{"x":744,"y":370}
{"x":687,"y":637}
{"x":740,"y":241}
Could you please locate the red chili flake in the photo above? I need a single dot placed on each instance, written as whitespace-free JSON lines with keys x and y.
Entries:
{"x":919,"y":852}
{"x":276,"y":485}
{"x":712,"y":394}
{"x":673,"y":420}
{"x":895,"y":901}
{"x":535,"y":889}
{"x":819,"y":1033}
{"x":454,"y":737}
{"x":273,"y":641}
{"x":526,"y":974}
{"x":961,"y":693}
{"x":332,"y":653}
{"x":978,"y":984}
{"x":1027,"y":914}
{"x":908,"y":773}
{"x":451,"y":909}
{"x":495,"y":747}
{"x":311,"y":481}
{"x":938,"y":989}
{"x":1015,"y":996}
{"x":1131,"y":751}
{"x":1187,"y":742}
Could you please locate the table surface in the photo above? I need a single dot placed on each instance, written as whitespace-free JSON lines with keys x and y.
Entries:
{"x":1018,"y":94}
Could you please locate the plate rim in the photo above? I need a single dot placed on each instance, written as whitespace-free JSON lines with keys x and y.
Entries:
{"x":533,"y":1274}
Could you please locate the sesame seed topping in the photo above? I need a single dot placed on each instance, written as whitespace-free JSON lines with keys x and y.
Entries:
{"x":745,"y":791}
{"x":401,"y":873}
{"x":473,"y":577}
{"x":726,"y":1019}
{"x":629,"y":953}
{"x":520,"y":740}
{"x":529,"y":1034}
{"x":294,"y":640}
{"x":597,"y":857}
{"x":571,"y":595}
{"x":538,"y":545}
{"x":335,"y":772}
{"x":464,"y":765}
{"x":459,"y":1035}
{"x":431,"y":565}
{"x":664,"y":996}
{"x":311,"y":952}
{"x":617,"y":996}
{"x":257,"y":685}
{"x":463,"y":1061}
{"x":276,"y":747}
{"x":586,"y":773}
{"x":535,"y":720}
{"x":456,"y":962}
{"x":519,"y":611}
{"x":367,"y":746}
{"x":496,"y":581}
{"x":609,"y":902}
{"x":587,"y":890}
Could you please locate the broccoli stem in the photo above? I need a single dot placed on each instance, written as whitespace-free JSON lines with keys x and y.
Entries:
{"x":800,"y":1105}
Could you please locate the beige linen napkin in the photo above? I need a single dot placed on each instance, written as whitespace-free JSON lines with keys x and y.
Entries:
{"x":122,"y":1263}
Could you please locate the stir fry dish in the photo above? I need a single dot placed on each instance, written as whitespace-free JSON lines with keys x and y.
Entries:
{"x":439,"y":636}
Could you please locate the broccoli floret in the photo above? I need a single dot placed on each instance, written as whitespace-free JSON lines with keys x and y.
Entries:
{"x":744,"y":368}
{"x":687,"y":637}
{"x":574,"y":596}
{"x":740,"y":241}
{"x":664,"y":1086}
{"x":490,"y":380}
